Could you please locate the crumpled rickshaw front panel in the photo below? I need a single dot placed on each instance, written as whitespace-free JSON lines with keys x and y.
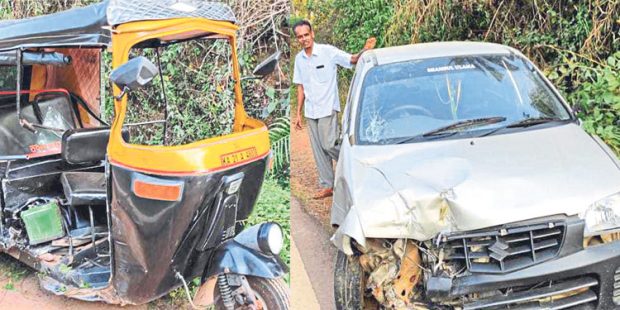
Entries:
{"x":153,"y":239}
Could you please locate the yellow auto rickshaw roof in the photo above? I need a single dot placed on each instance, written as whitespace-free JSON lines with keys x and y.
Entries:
{"x":90,"y":26}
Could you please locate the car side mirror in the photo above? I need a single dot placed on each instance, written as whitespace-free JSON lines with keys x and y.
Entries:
{"x":266,"y":67}
{"x":133,"y":75}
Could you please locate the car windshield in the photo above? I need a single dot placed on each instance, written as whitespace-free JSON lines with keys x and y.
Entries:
{"x":410,"y":99}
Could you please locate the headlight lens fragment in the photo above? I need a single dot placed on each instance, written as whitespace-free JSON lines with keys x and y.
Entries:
{"x":602,"y":216}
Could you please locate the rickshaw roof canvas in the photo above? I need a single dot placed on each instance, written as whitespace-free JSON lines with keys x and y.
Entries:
{"x":89,"y":26}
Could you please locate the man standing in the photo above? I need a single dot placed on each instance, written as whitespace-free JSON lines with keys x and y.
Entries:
{"x":317,"y":89}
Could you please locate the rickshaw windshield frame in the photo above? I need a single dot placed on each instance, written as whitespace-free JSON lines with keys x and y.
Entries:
{"x":200,"y":156}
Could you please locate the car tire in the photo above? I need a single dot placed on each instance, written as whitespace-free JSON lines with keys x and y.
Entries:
{"x":349,"y":281}
{"x":272,"y":293}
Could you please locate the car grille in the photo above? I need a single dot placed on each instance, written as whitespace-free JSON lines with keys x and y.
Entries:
{"x":579,"y":293}
{"x":616,"y":296}
{"x":502,"y":250}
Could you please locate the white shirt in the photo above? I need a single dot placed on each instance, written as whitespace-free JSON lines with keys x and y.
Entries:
{"x":318,"y":75}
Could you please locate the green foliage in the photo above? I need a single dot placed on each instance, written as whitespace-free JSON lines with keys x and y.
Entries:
{"x":26,"y":8}
{"x":597,"y":96}
{"x":279,"y":134}
{"x":5,"y":9}
{"x":107,"y":102}
{"x":360,"y":20}
{"x":8,"y":75}
{"x":199,"y":90}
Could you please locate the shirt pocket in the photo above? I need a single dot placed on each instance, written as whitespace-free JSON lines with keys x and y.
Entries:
{"x":323,"y":73}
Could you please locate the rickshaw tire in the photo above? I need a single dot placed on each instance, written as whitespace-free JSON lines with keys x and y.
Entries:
{"x":348,"y":282}
{"x":273,"y":292}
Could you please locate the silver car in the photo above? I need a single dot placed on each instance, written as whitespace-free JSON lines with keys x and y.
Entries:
{"x":465,"y":181}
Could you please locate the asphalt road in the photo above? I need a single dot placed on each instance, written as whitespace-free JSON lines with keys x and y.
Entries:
{"x":312,"y":283}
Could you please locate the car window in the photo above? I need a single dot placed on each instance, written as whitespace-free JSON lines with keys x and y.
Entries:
{"x":411,"y":98}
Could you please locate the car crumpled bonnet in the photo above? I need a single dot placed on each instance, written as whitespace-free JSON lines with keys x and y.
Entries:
{"x":418,"y":190}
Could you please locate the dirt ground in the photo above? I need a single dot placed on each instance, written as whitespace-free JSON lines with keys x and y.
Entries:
{"x":304,"y":176}
{"x":19,"y":289}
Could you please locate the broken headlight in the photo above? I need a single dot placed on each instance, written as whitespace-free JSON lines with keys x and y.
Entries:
{"x":602,"y":216}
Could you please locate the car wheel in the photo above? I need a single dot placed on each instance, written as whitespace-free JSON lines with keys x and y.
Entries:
{"x":349,"y":283}
{"x":272,"y":294}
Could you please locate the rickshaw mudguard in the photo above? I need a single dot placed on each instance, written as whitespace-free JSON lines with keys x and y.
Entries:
{"x":233,"y":257}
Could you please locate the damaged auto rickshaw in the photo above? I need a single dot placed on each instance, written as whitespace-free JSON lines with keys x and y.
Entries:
{"x":104,"y":218}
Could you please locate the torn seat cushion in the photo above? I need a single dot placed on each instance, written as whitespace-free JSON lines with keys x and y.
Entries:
{"x":84,"y":188}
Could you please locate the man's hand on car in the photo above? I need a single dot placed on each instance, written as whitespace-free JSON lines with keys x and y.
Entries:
{"x":370,"y":43}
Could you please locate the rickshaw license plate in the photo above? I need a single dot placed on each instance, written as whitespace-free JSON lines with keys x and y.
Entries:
{"x":239,"y":156}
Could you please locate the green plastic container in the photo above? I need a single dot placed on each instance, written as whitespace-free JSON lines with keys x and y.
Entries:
{"x":43,"y":223}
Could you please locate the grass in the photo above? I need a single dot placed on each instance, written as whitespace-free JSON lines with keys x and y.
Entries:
{"x":12,"y":272}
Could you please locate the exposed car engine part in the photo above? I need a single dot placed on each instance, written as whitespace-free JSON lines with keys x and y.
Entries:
{"x":394,"y":270}
{"x":500,"y":267}
{"x":604,"y":238}
{"x":607,"y":238}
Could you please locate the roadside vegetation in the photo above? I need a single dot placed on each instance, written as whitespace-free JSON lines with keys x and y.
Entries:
{"x":195,"y":112}
{"x":576,"y":43}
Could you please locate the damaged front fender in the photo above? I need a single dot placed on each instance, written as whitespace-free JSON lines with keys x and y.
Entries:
{"x":416,"y":207}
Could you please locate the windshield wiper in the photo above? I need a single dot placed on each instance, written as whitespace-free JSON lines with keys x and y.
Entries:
{"x":527,"y":122}
{"x":464,"y":124}
{"x":451,"y":129}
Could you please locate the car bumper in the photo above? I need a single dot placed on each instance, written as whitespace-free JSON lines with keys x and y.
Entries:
{"x":590,"y":274}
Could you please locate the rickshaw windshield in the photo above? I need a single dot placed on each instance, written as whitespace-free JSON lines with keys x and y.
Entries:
{"x":195,"y":99}
{"x":50,"y":108}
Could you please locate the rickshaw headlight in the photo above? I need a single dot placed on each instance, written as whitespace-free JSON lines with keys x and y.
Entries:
{"x":270,"y":238}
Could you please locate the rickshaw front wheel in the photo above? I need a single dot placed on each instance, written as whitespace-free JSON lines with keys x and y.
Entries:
{"x":272,"y":294}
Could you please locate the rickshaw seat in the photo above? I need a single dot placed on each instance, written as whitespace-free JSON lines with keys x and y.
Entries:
{"x":85,"y":145}
{"x":84,"y":188}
